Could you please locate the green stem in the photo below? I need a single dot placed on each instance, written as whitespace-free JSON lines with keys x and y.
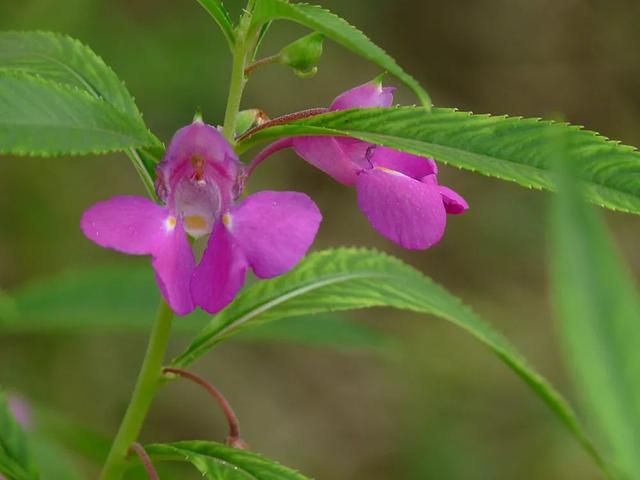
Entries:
{"x":147,"y":384}
{"x":238,"y":79}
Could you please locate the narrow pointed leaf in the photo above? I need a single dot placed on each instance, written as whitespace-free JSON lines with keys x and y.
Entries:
{"x":215,"y":461}
{"x":599,"y":316}
{"x":339,"y":30}
{"x":347,"y":279}
{"x":219,"y":13}
{"x":16,"y":462}
{"x":41,"y":117}
{"x":511,"y":148}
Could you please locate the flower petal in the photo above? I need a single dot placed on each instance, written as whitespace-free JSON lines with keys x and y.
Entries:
{"x":371,"y":94}
{"x":412,"y":165}
{"x":199,"y":151}
{"x":329,"y":155}
{"x":453,"y":201}
{"x":137,"y":226}
{"x":406,"y":211}
{"x":133,"y":225}
{"x":221,"y":272}
{"x":174,"y":264}
{"x":274,"y":230}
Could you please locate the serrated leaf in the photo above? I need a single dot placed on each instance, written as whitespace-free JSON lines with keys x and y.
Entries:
{"x":216,"y":461}
{"x":219,"y":13}
{"x":347,"y":279}
{"x":339,"y":30}
{"x":511,"y":148}
{"x":599,"y":316}
{"x":16,"y":462}
{"x":62,"y":59}
{"x":67,"y":61}
{"x":41,"y":117}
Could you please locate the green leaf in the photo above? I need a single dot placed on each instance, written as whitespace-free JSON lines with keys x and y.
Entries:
{"x":339,"y":30}
{"x":53,"y":427}
{"x":319,"y":331}
{"x":219,"y":13}
{"x":15,"y":458}
{"x":41,"y":117}
{"x":67,"y":61}
{"x":55,"y":462}
{"x":347,"y":279}
{"x":216,"y":461}
{"x":62,"y":59}
{"x":125,"y":298}
{"x":511,"y":148}
{"x":598,"y":312}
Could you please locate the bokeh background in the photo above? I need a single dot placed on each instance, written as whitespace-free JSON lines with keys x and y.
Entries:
{"x":429,"y":404}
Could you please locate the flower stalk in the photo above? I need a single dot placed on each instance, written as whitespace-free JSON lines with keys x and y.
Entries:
{"x":151,"y":375}
{"x":238,"y":80}
{"x":146,"y":386}
{"x":146,"y":461}
{"x":233,"y":439}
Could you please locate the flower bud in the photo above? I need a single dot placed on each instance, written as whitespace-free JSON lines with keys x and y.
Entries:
{"x":248,"y":119}
{"x":303,"y":54}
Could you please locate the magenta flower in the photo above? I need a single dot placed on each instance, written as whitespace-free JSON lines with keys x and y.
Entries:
{"x":198,"y":182}
{"x":398,"y":192}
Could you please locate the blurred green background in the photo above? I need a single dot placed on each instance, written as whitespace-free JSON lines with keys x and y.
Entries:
{"x":434,"y":404}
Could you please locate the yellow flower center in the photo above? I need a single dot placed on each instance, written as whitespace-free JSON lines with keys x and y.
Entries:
{"x":195,"y":223}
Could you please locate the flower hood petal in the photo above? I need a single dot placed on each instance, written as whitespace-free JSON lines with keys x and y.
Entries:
{"x":199,"y":152}
{"x":329,"y":154}
{"x":411,"y":165}
{"x":370,"y":94}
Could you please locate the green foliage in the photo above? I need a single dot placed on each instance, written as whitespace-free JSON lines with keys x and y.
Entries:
{"x":41,"y":117}
{"x":219,"y":13}
{"x":67,"y":69}
{"x":347,"y":279}
{"x":216,"y":461}
{"x":339,"y":30}
{"x":598,"y":312}
{"x":511,"y":148}
{"x":125,"y":298}
{"x":15,"y":458}
{"x":62,"y":59}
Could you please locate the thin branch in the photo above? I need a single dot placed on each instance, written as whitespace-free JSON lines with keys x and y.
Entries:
{"x":146,"y":461}
{"x":233,"y":438}
{"x":261,"y":63}
{"x":282,"y":120}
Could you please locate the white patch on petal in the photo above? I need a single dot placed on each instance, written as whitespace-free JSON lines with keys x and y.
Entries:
{"x":392,"y":172}
{"x":170,"y":223}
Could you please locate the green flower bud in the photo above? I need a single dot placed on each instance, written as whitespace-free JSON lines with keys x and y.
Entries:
{"x":303,"y":54}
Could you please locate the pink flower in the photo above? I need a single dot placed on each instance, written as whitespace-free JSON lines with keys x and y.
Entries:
{"x":20,"y":409}
{"x":199,"y":181}
{"x":398,"y":192}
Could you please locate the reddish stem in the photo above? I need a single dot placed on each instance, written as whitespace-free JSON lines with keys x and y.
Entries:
{"x":283,"y":119}
{"x":261,"y":63}
{"x":146,"y":461}
{"x":234,"y":426}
